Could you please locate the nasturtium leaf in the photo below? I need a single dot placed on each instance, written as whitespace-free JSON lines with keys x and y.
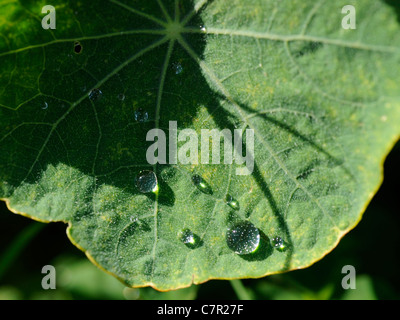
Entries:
{"x":77,"y":102}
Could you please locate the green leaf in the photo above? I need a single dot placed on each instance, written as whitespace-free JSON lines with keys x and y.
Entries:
{"x":323,"y":103}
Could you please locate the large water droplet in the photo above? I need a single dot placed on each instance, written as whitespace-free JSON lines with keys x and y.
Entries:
{"x":233,"y":203}
{"x":141,"y":115}
{"x":146,"y":181}
{"x":279,"y":244}
{"x":243,"y":238}
{"x":201,"y":184}
{"x":95,"y":94}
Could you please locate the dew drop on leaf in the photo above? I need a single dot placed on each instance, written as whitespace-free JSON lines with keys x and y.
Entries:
{"x":95,"y":94}
{"x":201,"y":184}
{"x":77,"y":47}
{"x":141,"y":115}
{"x":233,"y":203}
{"x":243,"y":238}
{"x":279,"y":244}
{"x":121,"y":97}
{"x":146,"y":181}
{"x":178,"y":68}
{"x":187,"y":237}
{"x":45,"y":105}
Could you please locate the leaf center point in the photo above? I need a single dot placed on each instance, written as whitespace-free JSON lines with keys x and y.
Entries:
{"x":173,"y":30}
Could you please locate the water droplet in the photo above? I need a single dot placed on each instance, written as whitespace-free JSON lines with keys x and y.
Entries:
{"x":133,"y":219}
{"x":131,"y":294}
{"x":95,"y":94}
{"x":188,"y":238}
{"x":233,"y":203}
{"x":141,"y":115}
{"x":178,"y":68}
{"x":77,"y":47}
{"x":146,"y":181}
{"x":121,"y":97}
{"x":201,"y":184}
{"x":203,"y":28}
{"x":45,"y":105}
{"x":279,"y":244}
{"x":243,"y":238}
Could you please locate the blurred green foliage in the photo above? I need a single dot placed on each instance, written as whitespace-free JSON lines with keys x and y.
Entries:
{"x":372,"y":248}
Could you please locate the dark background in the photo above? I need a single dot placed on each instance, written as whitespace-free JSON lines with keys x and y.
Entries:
{"x":372,"y":248}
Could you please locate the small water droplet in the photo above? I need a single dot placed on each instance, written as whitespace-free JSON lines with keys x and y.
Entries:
{"x":243,"y":238}
{"x":178,"y":68}
{"x":203,"y":28}
{"x":201,"y":184}
{"x":45,"y":105}
{"x":133,"y":219}
{"x":279,"y":244}
{"x":95,"y":94}
{"x":77,"y":47}
{"x":233,"y":203}
{"x":131,"y":294}
{"x":121,"y":97}
{"x":146,"y":181}
{"x":141,"y":115}
{"x":188,"y":238}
